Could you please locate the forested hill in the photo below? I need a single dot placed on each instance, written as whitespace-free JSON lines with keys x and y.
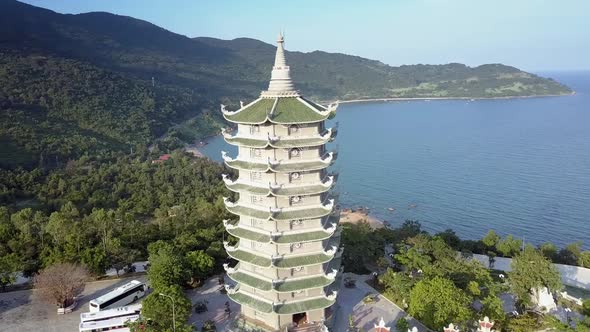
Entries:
{"x":76,"y":84}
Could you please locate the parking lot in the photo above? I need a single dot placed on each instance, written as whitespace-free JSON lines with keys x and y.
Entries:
{"x":25,"y":310}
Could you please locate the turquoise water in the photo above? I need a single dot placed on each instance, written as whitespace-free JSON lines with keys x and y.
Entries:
{"x":519,"y":166}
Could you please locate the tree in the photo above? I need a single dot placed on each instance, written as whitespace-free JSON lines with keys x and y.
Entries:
{"x":397,"y":286}
{"x":549,"y":250}
{"x":584,"y":260}
{"x":61,"y":283}
{"x":158,"y":308}
{"x":493,"y":308}
{"x":491,"y":239}
{"x":570,"y":255}
{"x":167,"y":267}
{"x":532,"y":271}
{"x":509,"y":246}
{"x":450,"y":238}
{"x":199,"y":264}
{"x":10,"y":265}
{"x":437,"y":302}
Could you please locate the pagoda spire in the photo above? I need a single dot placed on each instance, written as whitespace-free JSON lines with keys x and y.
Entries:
{"x":280,"y":82}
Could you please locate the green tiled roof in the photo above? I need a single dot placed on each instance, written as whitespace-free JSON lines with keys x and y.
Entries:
{"x":250,"y":142}
{"x":249,"y":235}
{"x":303,"y":190}
{"x":249,"y":258}
{"x":251,"y":281}
{"x":254,"y":213}
{"x":286,"y":286}
{"x":281,"y":144}
{"x":292,"y":110}
{"x":303,"y":142}
{"x":237,"y":187}
{"x":302,"y":237}
{"x":290,"y":238}
{"x":288,"y":110}
{"x":288,"y":191}
{"x":249,"y":301}
{"x":302,"y":214}
{"x":300,"y":166}
{"x":286,"y":215}
{"x":254,"y":113}
{"x":240,"y":164}
{"x":302,"y":306}
{"x":295,"y":285}
{"x":302,"y":260}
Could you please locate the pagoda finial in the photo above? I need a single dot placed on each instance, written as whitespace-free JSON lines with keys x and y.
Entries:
{"x":280,"y":82}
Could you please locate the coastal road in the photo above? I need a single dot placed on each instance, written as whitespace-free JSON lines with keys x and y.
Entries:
{"x":25,"y":310}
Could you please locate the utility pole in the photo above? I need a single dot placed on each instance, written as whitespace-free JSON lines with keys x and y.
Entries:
{"x":173,"y":314}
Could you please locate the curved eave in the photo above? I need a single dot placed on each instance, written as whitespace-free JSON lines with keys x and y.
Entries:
{"x":244,"y":256}
{"x":247,"y":234}
{"x":310,"y":213}
{"x":249,"y":301}
{"x":283,"y":308}
{"x":247,"y":166}
{"x":284,"y":286}
{"x":303,"y":260}
{"x":288,"y":191}
{"x":279,"y":110}
{"x":280,"y":144}
{"x":303,"y":306}
{"x":301,"y":166}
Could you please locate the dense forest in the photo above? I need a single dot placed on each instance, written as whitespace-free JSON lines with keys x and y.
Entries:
{"x":75,"y":85}
{"x":104,"y":212}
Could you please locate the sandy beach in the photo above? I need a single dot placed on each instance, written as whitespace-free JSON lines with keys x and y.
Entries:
{"x":357,"y":216}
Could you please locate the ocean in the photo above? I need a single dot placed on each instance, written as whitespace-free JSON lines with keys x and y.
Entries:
{"x":518,"y":166}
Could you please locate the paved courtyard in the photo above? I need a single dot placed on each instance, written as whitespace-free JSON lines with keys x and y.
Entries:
{"x":24,"y":310}
{"x":366,"y":315}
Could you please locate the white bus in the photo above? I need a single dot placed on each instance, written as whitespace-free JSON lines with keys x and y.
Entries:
{"x":113,"y":324}
{"x":119,"y":296}
{"x":130,"y":310}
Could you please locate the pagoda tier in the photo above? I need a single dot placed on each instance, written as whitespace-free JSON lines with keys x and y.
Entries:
{"x":276,"y":189}
{"x":274,"y":165}
{"x":259,"y":141}
{"x":287,"y":225}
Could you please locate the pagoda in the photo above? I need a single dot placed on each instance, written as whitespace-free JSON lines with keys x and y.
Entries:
{"x":287,"y":225}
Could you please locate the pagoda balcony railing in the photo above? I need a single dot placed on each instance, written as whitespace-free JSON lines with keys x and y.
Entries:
{"x":332,"y":296}
{"x":326,"y":136}
{"x":231,"y":289}
{"x":331,"y":252}
{"x":229,"y":269}
{"x":228,"y":225}
{"x":227,"y":180}
{"x":229,"y":203}
{"x":229,"y":247}
{"x":332,"y":275}
{"x":226,"y":158}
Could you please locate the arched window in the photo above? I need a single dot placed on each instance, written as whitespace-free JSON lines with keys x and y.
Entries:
{"x":294,"y":153}
{"x":294,"y":129}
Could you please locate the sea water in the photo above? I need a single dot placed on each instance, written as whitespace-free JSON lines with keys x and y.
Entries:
{"x":518,"y":166}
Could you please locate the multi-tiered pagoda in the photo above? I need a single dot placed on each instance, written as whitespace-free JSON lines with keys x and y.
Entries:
{"x":289,"y":239}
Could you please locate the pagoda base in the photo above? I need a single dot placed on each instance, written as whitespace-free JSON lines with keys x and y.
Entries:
{"x":252,"y":320}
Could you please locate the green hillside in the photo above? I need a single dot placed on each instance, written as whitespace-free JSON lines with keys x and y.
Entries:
{"x":82,"y":84}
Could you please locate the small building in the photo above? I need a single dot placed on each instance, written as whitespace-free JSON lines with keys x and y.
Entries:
{"x":162,"y":159}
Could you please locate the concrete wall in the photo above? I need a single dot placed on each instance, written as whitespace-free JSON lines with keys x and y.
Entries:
{"x":570,"y":275}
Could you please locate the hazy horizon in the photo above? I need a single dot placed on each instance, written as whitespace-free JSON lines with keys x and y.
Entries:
{"x":538,"y":36}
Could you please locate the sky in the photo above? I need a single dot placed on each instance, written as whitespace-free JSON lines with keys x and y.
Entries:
{"x":534,"y":35}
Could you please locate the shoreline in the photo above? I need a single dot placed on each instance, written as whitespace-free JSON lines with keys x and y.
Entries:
{"x":447,"y":98}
